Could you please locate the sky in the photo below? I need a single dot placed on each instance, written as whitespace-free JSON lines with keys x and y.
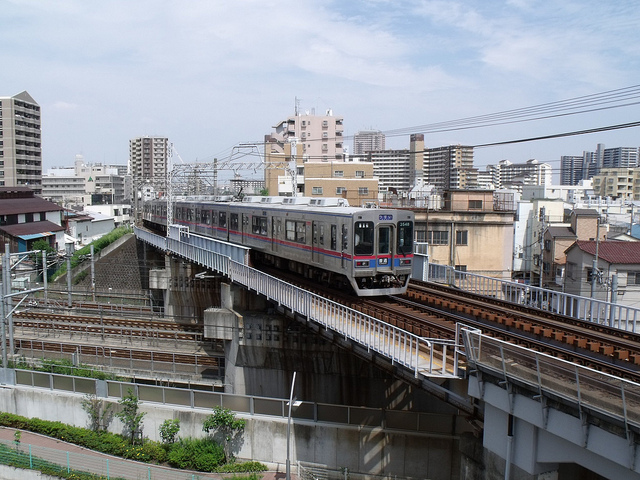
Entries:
{"x":211,"y":74}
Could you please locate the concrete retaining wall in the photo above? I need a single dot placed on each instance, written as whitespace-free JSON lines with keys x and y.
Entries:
{"x":366,"y":450}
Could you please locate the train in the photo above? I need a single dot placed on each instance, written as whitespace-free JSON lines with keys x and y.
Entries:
{"x":366,"y":250}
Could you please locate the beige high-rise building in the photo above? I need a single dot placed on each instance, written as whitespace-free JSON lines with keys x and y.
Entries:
{"x":304,"y":156}
{"x":20,"y":142}
{"x":148,"y":162}
{"x":368,"y":141}
{"x":450,"y":168}
{"x":623,"y":183}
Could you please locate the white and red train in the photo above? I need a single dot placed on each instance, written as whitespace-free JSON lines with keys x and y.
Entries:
{"x":367,"y":249}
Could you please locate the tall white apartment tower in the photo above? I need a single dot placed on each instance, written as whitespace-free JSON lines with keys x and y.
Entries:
{"x":148,"y":162}
{"x":321,"y":136}
{"x":368,"y":141}
{"x":20,"y":147}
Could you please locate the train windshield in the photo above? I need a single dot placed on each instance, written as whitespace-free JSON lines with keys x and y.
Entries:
{"x":363,"y":238}
{"x":405,"y":237}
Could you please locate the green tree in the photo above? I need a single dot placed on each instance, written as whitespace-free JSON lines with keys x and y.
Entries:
{"x":130,"y":415}
{"x":264,"y":192}
{"x":224,"y":421}
{"x":99,"y":413}
{"x":42,"y":245}
{"x":169,"y":431}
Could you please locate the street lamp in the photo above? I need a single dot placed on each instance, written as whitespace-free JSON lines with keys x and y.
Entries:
{"x":291,"y":404}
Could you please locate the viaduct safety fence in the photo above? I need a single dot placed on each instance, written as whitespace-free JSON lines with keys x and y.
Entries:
{"x":574,"y":306}
{"x":550,"y":377}
{"x":427,"y":423}
{"x":428,"y":357}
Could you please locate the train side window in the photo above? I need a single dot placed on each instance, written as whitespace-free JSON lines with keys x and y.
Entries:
{"x":198,"y":215}
{"x":296,"y":231}
{"x":384,"y":234}
{"x":233,"y":221}
{"x":345,"y":237}
{"x":214,"y":217}
{"x":190,"y":214}
{"x":334,"y":237}
{"x":259,"y":225}
{"x":207,"y":217}
{"x":290,"y":227}
{"x":222,"y":219}
{"x":321,"y":239}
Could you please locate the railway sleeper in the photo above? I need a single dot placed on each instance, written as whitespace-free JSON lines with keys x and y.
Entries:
{"x":621,"y":354}
{"x":606,"y":350}
{"x":594,"y":346}
{"x":580,"y":342}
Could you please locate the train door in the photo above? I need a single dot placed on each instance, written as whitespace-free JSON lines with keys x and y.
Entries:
{"x":316,"y":255}
{"x":276,"y":229}
{"x":385,"y":248}
{"x":344,"y":245}
{"x":244,"y":227}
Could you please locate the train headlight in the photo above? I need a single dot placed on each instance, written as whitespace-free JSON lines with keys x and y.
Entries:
{"x":383,"y":261}
{"x":362,"y":263}
{"x":405,"y":261}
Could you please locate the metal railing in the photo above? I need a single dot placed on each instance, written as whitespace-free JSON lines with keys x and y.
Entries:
{"x":574,"y":306}
{"x":122,"y":360}
{"x":427,"y":357}
{"x":550,"y":376}
{"x":403,"y":420}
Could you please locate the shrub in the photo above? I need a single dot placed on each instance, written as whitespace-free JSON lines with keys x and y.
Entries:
{"x":196,"y":454}
{"x":169,"y":430}
{"x":244,"y":467}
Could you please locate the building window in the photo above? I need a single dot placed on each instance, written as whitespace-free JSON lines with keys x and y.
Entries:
{"x":340,"y":190}
{"x":547,"y":245}
{"x":338,"y":173}
{"x":316,"y":190}
{"x":363,"y":190}
{"x":461,"y":237}
{"x":459,"y":269}
{"x":633,"y":278}
{"x":475,"y":204}
{"x":435,"y":237}
{"x":359,"y":173}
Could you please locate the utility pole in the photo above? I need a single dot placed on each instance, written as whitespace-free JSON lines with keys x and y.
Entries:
{"x":594,"y":268}
{"x":69,"y":252}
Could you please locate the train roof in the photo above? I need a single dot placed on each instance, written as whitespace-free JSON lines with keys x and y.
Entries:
{"x":334,"y":205}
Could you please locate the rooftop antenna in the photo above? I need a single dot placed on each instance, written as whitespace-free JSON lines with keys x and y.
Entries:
{"x":297,"y":106}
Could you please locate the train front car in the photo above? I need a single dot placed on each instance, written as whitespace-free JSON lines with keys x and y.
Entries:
{"x":382,"y":253}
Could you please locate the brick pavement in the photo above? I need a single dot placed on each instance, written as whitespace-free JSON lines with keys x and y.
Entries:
{"x":125,"y":466}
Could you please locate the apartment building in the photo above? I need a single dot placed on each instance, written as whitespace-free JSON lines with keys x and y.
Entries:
{"x":85,"y":184}
{"x":20,"y":142}
{"x":393,"y":169}
{"x":514,"y":176}
{"x":450,"y":167}
{"x":149,"y":161}
{"x":354,"y":181}
{"x":304,"y":156}
{"x":368,"y":141}
{"x":576,"y":168}
{"x":618,"y":183}
{"x":468,"y":233}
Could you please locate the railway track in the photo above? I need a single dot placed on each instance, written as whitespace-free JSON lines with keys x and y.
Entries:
{"x":432,"y":311}
{"x":34,"y":316}
{"x":116,"y":353}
